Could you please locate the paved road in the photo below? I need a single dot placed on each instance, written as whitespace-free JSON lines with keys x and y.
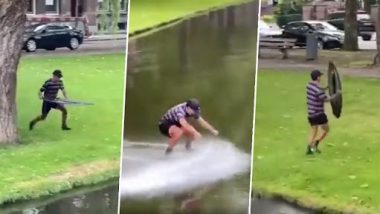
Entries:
{"x":88,"y":47}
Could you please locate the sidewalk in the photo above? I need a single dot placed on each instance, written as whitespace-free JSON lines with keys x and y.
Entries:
{"x":106,"y":37}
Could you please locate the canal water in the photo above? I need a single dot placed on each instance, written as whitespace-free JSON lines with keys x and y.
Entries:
{"x":212,"y":58}
{"x":100,"y":199}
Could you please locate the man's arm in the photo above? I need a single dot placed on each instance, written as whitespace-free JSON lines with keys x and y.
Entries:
{"x":41,"y":92}
{"x":328,"y":98}
{"x":207,"y":126}
{"x":64,"y":93}
{"x":189,"y":128}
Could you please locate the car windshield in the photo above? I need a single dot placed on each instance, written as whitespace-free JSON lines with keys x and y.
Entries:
{"x":34,"y":28}
{"x":323,"y":26}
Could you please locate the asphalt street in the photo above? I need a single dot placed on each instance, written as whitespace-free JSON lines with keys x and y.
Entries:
{"x":88,"y":47}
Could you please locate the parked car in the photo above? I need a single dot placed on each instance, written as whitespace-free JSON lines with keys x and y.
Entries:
{"x":267,"y":30}
{"x":50,"y":37}
{"x":366,"y":26}
{"x":329,"y":37}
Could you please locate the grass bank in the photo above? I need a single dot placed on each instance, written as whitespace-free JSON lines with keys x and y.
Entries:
{"x":50,"y":160}
{"x":148,"y":13}
{"x":345,"y":176}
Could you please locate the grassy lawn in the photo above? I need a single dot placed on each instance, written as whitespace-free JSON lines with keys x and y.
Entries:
{"x":50,"y":160}
{"x":346,"y":175}
{"x":148,"y":13}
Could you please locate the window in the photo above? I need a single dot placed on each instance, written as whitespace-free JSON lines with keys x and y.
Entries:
{"x":106,"y":5}
{"x":103,"y":5}
{"x":52,"y":6}
{"x":123,"y":5}
{"x":31,"y":6}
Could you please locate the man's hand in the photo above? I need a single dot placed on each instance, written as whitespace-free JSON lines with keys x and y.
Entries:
{"x":215,"y":132}
{"x":41,"y":96}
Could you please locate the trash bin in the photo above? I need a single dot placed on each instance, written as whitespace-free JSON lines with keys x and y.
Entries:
{"x":311,"y":46}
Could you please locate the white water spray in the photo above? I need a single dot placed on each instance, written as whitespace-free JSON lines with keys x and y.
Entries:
{"x":148,"y":173}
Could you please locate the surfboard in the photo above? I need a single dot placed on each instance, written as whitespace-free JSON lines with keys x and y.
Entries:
{"x":71,"y":102}
{"x":335,"y":84}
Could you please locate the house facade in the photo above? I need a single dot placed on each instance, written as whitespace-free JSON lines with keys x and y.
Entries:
{"x":92,"y":10}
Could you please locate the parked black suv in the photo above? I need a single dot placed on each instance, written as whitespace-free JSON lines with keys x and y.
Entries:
{"x":329,"y":37}
{"x":366,"y":26}
{"x":50,"y":37}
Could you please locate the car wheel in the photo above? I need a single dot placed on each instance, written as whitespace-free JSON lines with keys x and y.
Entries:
{"x":367,"y":37}
{"x":74,"y":43}
{"x":321,"y":45}
{"x":31,"y":45}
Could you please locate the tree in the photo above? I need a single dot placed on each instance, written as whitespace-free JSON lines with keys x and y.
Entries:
{"x":367,"y":6}
{"x":12,"y":23}
{"x":115,"y":15}
{"x":377,"y":58}
{"x":351,"y":26}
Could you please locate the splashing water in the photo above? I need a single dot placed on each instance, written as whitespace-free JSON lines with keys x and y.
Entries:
{"x":148,"y":173}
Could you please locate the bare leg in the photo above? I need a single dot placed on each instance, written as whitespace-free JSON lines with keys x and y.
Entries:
{"x":190,"y":137}
{"x":64,"y":117}
{"x":36,"y":120}
{"x":175,"y":134}
{"x":312,"y":136}
{"x":325,"y":131}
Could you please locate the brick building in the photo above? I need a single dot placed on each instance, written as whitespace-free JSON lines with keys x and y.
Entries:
{"x":92,"y":10}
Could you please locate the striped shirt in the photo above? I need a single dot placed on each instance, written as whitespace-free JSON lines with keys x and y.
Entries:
{"x":315,"y":99}
{"x":51,"y":88}
{"x":177,"y":112}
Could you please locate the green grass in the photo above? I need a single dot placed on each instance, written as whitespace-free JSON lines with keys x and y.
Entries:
{"x":50,"y":160}
{"x":148,"y":13}
{"x":346,"y":175}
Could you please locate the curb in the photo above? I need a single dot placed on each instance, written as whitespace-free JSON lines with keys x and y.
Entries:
{"x":104,"y":39}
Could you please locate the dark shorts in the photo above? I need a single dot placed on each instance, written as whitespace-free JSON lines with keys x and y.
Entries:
{"x":47,"y":106}
{"x":164,"y":126}
{"x":320,"y":119}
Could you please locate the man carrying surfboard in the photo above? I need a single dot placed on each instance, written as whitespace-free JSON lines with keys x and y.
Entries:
{"x":48,"y":93}
{"x":173,"y":124}
{"x":316,"y":97}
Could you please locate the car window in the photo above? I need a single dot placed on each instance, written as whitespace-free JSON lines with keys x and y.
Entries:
{"x":293,"y":26}
{"x":323,"y":26}
{"x":304,"y":27}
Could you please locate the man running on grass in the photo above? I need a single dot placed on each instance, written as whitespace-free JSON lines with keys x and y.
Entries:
{"x":48,"y":93}
{"x":316,"y":98}
{"x":174,"y":124}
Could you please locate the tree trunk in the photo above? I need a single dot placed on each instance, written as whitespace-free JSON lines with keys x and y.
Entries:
{"x":351,"y":26}
{"x":367,"y":6}
{"x":377,"y":58}
{"x":115,"y":15}
{"x":12,"y":22}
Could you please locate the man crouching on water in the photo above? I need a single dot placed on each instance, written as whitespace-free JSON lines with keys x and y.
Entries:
{"x":174,"y":124}
{"x":316,"y":97}
{"x":48,"y":93}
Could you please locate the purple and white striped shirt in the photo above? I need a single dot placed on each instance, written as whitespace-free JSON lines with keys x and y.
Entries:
{"x":177,"y":112}
{"x":315,"y":99}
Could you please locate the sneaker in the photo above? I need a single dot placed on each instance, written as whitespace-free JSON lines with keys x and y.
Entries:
{"x":316,"y":147}
{"x":168,"y":151}
{"x":65,"y":128}
{"x":188,"y":146}
{"x":31,"y":125}
{"x":309,"y":150}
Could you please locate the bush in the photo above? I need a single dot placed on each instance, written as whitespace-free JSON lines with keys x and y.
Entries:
{"x":285,"y":19}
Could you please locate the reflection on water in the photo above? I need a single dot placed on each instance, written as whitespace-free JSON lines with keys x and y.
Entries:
{"x":212,"y":58}
{"x":96,"y":200}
